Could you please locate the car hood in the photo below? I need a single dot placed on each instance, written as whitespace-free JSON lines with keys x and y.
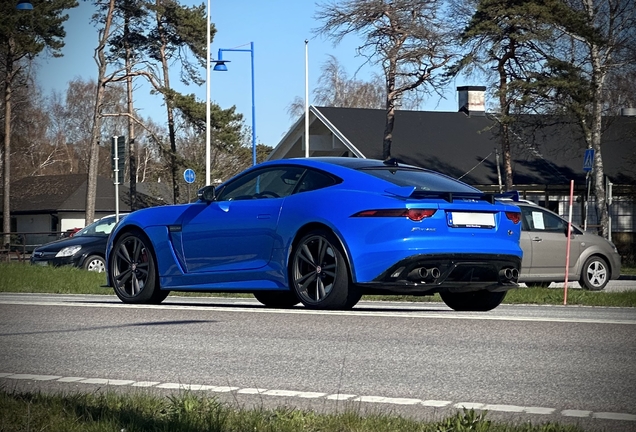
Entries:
{"x":58,"y":245}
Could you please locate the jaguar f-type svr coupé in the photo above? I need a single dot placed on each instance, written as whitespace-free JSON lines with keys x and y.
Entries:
{"x":323,"y":232}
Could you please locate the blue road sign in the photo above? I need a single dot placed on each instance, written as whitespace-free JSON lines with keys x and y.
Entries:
{"x":588,"y":160}
{"x":189,"y":176}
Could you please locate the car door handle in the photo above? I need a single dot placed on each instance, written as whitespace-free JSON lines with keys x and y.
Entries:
{"x":263,"y":216}
{"x":537,"y":239}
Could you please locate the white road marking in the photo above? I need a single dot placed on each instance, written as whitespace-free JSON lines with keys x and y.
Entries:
{"x":145,"y":383}
{"x":338,"y":397}
{"x":469,"y":405}
{"x":71,"y":379}
{"x":538,"y":410}
{"x":112,"y":382}
{"x":310,"y":395}
{"x":387,"y":400}
{"x":171,"y":386}
{"x":503,"y":408}
{"x":287,"y":393}
{"x":354,"y":312}
{"x":614,"y":416}
{"x":576,"y":413}
{"x":372,"y":399}
{"x":436,"y":403}
{"x":35,"y":377}
{"x":223,"y":389}
{"x":251,"y":391}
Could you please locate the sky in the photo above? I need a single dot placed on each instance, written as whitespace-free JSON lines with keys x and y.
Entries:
{"x":278,"y":29}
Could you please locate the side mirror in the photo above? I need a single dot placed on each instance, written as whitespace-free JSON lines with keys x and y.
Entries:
{"x":207,"y":193}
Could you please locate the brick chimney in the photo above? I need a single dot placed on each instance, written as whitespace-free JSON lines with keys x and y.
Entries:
{"x":472,"y":100}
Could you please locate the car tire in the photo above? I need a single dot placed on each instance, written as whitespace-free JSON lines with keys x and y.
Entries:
{"x":319,"y":275}
{"x":277,"y":299}
{"x":595,"y":274}
{"x":133,"y":270}
{"x":95,"y":263}
{"x":477,"y":301}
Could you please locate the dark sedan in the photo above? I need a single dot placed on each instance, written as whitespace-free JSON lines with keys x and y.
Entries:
{"x":86,"y":249}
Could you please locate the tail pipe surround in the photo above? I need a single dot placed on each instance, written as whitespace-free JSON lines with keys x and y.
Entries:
{"x":508,"y":274}
{"x":423,"y":274}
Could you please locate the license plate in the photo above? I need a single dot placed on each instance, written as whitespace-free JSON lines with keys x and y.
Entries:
{"x":471,"y":220}
{"x":41,"y":263}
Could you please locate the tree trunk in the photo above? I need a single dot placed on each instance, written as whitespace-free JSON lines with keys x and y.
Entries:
{"x":504,"y":128}
{"x":6,"y":160}
{"x":168,"y":100}
{"x":100,"y":59}
{"x":390,"y":110}
{"x":132,"y":154}
{"x":597,"y":81}
{"x":596,"y":128}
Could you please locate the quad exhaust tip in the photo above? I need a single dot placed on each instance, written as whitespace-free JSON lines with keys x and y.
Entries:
{"x":424,"y":274}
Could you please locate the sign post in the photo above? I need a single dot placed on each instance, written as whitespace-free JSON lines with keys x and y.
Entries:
{"x":118,"y":147}
{"x":189,"y":176}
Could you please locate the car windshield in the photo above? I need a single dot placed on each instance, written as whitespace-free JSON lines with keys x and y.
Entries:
{"x":424,"y":181}
{"x":102,"y":227}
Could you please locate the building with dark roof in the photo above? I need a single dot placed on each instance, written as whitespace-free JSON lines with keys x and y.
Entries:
{"x":546,"y":151}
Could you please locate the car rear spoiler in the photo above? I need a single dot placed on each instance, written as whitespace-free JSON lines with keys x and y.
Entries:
{"x":411,"y":192}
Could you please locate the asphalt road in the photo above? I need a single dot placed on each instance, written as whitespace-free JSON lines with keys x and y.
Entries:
{"x":521,"y":363}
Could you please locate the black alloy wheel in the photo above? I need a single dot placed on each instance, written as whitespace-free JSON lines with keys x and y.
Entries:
{"x":319,"y":273}
{"x":132,"y":270}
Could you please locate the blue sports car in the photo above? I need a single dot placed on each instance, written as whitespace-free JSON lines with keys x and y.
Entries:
{"x":323,"y":232}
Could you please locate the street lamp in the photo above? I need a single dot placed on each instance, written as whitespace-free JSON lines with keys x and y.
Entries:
{"x":219,"y":65}
{"x":207,"y":101}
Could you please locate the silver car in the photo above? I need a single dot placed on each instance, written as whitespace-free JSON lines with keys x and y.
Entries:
{"x":594,"y":261}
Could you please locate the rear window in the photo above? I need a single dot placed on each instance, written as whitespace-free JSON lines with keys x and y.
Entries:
{"x":423,"y":181}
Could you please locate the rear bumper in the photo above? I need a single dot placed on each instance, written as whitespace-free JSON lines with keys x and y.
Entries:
{"x":449,"y":272}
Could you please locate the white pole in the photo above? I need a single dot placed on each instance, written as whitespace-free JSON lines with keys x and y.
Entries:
{"x":207,"y":104}
{"x":116,"y":151}
{"x":306,"y":98}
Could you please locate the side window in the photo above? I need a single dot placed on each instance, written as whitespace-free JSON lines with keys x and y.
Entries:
{"x":539,"y":220}
{"x":266,"y":183}
{"x":313,"y":180}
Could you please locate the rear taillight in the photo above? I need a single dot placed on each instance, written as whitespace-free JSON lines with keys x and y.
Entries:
{"x":413,"y":214}
{"x":515,"y":217}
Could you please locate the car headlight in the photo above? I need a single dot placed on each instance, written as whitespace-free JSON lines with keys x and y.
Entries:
{"x":68,"y":251}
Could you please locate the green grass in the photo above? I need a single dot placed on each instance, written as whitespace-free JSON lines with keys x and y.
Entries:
{"x":186,"y":412}
{"x":20,"y":277}
{"x":628,"y":271}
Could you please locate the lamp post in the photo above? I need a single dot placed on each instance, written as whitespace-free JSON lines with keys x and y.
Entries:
{"x":219,"y":65}
{"x":207,"y":102}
